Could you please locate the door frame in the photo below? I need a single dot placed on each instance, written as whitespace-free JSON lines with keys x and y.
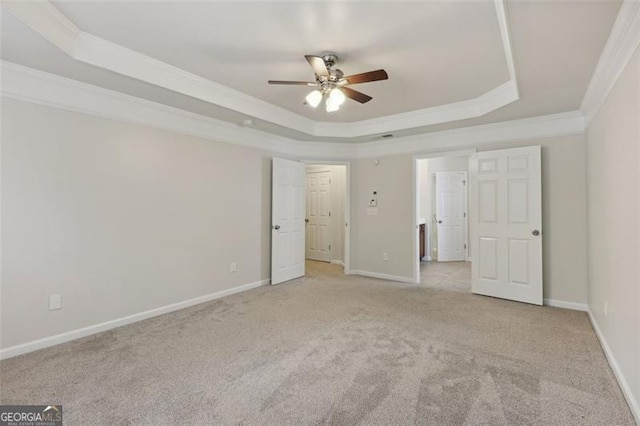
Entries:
{"x":416,"y":197}
{"x":347,"y":205}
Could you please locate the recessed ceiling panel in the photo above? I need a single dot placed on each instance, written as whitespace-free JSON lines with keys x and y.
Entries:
{"x":435,"y":52}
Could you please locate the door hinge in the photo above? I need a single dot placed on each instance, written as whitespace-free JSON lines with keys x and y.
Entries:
{"x":465,"y":246}
{"x":329,"y":246}
{"x":329,"y":181}
{"x":329,"y":214}
{"x":465,"y":214}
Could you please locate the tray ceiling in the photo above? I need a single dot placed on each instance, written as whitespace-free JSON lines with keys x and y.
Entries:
{"x":436,"y":53}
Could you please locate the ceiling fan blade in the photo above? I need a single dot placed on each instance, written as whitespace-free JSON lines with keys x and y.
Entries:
{"x":318,"y":65}
{"x":355,"y":95}
{"x":366,"y":77}
{"x":297,"y":83}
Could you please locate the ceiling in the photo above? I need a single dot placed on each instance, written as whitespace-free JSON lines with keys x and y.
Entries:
{"x":437,"y":54}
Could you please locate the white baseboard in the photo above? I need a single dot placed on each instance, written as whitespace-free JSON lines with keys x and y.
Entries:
{"x":567,"y":305}
{"x":383,"y":276}
{"x":337,"y":262}
{"x":97,"y":328}
{"x":634,"y":406}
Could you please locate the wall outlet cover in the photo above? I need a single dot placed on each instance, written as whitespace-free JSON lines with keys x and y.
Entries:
{"x":55,"y":302}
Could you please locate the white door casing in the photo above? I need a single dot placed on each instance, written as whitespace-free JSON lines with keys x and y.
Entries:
{"x":451,"y":216}
{"x":287,"y":216}
{"x":506,"y":224}
{"x":318,"y":211}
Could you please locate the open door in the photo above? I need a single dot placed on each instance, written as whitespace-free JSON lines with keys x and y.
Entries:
{"x":451,"y":215}
{"x":506,"y":224}
{"x":287,"y":217}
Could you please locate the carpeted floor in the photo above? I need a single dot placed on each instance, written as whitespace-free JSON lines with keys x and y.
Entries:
{"x":452,"y":276}
{"x":332,"y":349}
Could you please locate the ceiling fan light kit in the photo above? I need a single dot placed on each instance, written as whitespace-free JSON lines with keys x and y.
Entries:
{"x":331,"y":83}
{"x":314,"y":98}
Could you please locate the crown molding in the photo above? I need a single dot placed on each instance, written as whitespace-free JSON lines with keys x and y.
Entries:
{"x":26,"y":84}
{"x":622,"y":43}
{"x":485,"y":103}
{"x":42,"y":88}
{"x":547,"y":126}
{"x":505,"y":33}
{"x":45,"y":19}
{"x":50,"y":23}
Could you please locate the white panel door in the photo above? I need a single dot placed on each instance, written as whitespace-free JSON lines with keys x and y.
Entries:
{"x":451,"y":201}
{"x":506,"y":224}
{"x":287,"y":216}
{"x":318,"y":241}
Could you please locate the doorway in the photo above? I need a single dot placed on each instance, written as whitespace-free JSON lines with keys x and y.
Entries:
{"x":289,"y":217}
{"x":442,"y":221}
{"x":325,"y":213}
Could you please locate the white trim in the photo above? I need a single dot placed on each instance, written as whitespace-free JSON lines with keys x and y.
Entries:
{"x":505,"y":34}
{"x":337,"y":262}
{"x":566,"y":305}
{"x":108,"y":325}
{"x":415,"y":208}
{"x":446,"y":154}
{"x":621,"y":45}
{"x":496,"y":98}
{"x":634,"y":406}
{"x":383,"y":276}
{"x":43,"y":18}
{"x":35,"y":86}
{"x":566,"y":123}
{"x":39,"y":87}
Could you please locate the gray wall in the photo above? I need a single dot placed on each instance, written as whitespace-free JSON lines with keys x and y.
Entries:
{"x":563,"y":214}
{"x":120,"y":219}
{"x":84,"y":197}
{"x":613,"y":182}
{"x":391,"y":230}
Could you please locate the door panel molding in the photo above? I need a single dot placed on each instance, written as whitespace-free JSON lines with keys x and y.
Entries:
{"x":508,"y":259}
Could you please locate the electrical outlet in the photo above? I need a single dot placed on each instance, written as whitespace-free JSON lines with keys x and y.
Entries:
{"x":55,"y":302}
{"x":606,"y":308}
{"x":233,"y":267}
{"x":385,"y":256}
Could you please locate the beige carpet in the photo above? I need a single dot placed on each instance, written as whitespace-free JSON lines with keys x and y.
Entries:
{"x":452,"y":276}
{"x":329,"y":349}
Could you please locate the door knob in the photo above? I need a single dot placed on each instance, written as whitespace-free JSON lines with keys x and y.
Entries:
{"x":535,"y":232}
{"x":439,"y":221}
{"x":306,"y":220}
{"x":276,"y":227}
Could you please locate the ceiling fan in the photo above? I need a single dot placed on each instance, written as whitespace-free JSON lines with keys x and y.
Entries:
{"x":332,"y":84}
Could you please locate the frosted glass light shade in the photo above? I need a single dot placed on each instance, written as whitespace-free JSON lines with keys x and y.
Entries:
{"x":332,"y":105}
{"x":337,"y":97}
{"x":314,"y":98}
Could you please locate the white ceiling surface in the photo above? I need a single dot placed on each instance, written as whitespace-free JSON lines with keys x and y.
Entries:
{"x":242,"y":45}
{"x":435,"y":53}
{"x":21,"y":45}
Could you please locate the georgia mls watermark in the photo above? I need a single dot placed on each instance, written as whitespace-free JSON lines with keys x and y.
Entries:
{"x":30,"y":415}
